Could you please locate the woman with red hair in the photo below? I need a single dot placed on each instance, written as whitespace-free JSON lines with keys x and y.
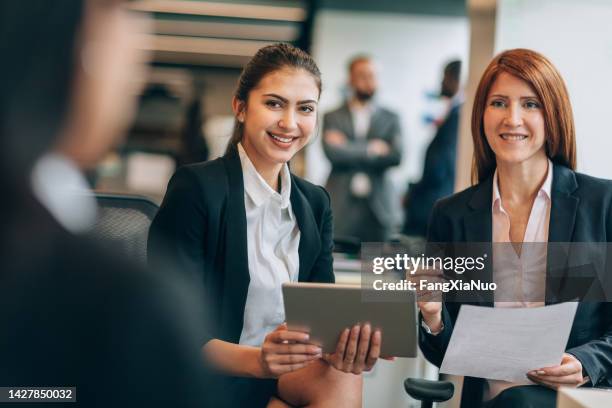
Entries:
{"x":526,"y":191}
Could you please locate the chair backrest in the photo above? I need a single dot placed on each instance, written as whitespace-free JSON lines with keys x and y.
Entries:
{"x":123,"y":223}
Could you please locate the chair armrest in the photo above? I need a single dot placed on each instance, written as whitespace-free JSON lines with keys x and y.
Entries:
{"x":428,"y":390}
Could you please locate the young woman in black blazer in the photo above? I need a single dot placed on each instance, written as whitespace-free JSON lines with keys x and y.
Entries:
{"x":526,"y":189}
{"x":241,"y":225}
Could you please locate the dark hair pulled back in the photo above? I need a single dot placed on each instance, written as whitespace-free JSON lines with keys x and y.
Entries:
{"x":267,"y":60}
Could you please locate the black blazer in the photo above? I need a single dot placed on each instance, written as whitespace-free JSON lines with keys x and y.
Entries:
{"x":201,"y":230}
{"x":79,"y":317}
{"x":581,"y":211}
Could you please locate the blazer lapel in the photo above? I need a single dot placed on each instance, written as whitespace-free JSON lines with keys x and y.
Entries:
{"x":347,"y":118}
{"x":310,"y":239}
{"x":377,"y":116}
{"x":478,"y":223}
{"x":564,"y":206}
{"x":478,"y":227}
{"x":237,"y":279}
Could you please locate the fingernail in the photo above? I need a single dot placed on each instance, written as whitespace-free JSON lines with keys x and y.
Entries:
{"x":540,"y":372}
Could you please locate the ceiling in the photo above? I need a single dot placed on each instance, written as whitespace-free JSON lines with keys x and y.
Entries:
{"x":220,"y":33}
{"x":226,"y":33}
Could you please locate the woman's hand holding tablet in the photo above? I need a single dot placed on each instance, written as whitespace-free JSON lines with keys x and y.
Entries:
{"x":284,"y":351}
{"x":357,"y":350}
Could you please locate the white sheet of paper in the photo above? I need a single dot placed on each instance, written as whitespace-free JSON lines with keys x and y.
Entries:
{"x":506,"y":343}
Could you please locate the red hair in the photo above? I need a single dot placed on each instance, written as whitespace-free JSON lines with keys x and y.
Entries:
{"x":546,"y":82}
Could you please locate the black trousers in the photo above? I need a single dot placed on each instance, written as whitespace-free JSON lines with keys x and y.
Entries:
{"x":524,"y":396}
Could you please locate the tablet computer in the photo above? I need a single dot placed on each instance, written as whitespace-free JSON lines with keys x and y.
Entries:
{"x":323,"y":310}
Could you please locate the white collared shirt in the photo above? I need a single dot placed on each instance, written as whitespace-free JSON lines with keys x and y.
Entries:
{"x":273,"y":238}
{"x":361,"y":116}
{"x":61,"y":188}
{"x":520,"y":278}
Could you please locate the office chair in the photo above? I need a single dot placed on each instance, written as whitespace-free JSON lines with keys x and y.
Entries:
{"x":123,"y":224}
{"x":428,"y":391}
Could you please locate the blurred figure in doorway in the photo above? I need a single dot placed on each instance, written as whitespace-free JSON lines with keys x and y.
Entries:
{"x":438,"y":177}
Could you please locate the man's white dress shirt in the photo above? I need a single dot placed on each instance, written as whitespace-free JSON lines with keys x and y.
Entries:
{"x":361,"y":114}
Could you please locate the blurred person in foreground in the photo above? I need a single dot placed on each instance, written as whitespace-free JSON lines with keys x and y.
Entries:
{"x":362,"y":140}
{"x":72,"y":315}
{"x":438,"y":179}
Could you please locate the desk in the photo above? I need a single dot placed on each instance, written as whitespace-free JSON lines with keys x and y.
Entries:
{"x":584,"y":398}
{"x":346,"y":270}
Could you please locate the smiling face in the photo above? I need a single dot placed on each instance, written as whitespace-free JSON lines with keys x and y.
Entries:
{"x":280,"y":116}
{"x":514,"y":122}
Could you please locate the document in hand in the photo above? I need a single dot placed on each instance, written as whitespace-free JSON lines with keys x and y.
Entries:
{"x":506,"y":343}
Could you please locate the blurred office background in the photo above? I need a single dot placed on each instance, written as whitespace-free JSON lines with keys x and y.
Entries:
{"x":199,"y":48}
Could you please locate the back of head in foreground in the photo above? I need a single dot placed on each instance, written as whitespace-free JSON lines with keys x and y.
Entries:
{"x":74,"y":316}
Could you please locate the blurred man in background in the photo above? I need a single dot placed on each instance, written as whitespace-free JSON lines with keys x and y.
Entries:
{"x":72,"y":314}
{"x":438,"y":177}
{"x":362,"y":140}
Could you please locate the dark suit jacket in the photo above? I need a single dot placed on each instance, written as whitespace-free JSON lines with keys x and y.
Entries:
{"x":438,"y":178}
{"x":581,"y":212}
{"x":352,"y":158}
{"x":75,"y":316}
{"x":201,"y":230}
